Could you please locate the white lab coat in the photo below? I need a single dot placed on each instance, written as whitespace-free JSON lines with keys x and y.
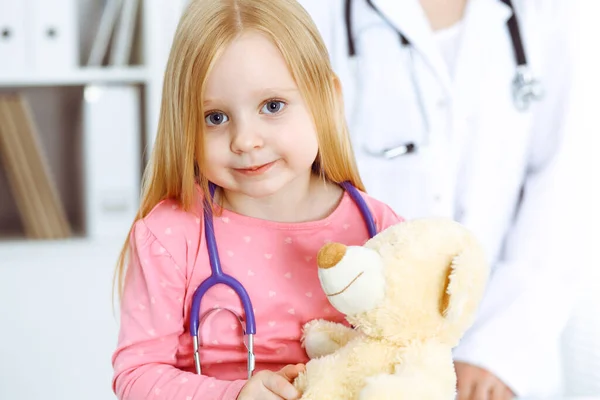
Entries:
{"x":485,"y":153}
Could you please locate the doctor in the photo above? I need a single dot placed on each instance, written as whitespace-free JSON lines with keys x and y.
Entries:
{"x":458,"y":108}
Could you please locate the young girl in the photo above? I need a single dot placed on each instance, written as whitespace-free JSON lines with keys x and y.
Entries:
{"x":251,"y":105}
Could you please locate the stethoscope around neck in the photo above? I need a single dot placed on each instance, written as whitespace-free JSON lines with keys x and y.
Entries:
{"x":525,"y":88}
{"x":219,"y":277}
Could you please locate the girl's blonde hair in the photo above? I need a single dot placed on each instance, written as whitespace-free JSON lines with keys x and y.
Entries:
{"x":205,"y":29}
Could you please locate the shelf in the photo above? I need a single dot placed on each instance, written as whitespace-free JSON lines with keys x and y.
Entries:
{"x":18,"y":250}
{"x":79,"y":77}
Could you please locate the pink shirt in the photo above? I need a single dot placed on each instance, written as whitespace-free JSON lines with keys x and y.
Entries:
{"x":274,"y":261}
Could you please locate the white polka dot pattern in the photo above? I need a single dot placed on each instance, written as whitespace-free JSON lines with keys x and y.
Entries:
{"x":274,"y":262}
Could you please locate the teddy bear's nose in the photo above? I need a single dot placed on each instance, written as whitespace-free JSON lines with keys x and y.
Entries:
{"x":330,"y":255}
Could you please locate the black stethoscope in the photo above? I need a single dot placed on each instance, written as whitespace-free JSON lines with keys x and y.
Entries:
{"x":525,"y":88}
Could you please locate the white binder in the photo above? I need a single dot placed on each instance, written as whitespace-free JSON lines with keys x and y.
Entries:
{"x":13,"y":36}
{"x":54,"y":34}
{"x":111,"y":159}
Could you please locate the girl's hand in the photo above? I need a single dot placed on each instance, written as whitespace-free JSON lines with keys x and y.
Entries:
{"x":269,"y":385}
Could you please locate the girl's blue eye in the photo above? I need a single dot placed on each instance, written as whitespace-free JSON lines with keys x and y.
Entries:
{"x":216,"y":118}
{"x":273,"y":107}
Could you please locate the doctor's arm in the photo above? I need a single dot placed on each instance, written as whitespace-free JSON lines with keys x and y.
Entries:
{"x":535,"y":282}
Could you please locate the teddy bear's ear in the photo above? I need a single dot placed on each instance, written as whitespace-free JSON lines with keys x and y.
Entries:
{"x":455,"y":297}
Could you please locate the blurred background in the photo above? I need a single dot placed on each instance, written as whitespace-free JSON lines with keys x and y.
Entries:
{"x":79,"y":105}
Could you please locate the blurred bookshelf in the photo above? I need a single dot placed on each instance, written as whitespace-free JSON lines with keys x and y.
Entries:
{"x":79,"y":101}
{"x":78,"y":77}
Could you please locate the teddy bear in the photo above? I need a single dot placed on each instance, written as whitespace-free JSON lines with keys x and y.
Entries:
{"x":408,"y":294}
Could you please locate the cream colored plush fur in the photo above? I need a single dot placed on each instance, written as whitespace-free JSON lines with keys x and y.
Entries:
{"x":410,"y":292}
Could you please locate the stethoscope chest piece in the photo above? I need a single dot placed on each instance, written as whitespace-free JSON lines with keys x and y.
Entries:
{"x":526,"y":89}
{"x":248,"y":339}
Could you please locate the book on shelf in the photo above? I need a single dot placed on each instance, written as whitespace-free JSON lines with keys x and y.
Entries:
{"x":115,"y":33}
{"x":28,"y":172}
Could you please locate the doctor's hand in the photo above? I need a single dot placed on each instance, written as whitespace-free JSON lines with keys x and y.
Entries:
{"x":475,"y":383}
{"x":269,"y":385}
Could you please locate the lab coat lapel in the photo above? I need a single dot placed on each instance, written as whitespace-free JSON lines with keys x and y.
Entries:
{"x":408,"y":17}
{"x":484,"y":32}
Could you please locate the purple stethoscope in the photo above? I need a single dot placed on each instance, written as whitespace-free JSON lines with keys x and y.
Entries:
{"x":219,"y":277}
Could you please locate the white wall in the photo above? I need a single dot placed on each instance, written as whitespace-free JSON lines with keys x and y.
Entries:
{"x":57,"y":329}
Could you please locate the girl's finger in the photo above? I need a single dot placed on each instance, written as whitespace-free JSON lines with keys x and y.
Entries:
{"x":291,"y":372}
{"x":281,"y":386}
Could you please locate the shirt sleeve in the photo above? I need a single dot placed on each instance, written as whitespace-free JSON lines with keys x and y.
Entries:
{"x":386,"y":217}
{"x":151,"y":323}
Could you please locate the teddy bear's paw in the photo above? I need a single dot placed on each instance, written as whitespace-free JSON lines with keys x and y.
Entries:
{"x":319,"y":344}
{"x":321,"y":338}
{"x":315,"y":325}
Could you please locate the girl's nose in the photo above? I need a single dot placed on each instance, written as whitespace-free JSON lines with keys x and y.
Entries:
{"x":246,"y":138}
